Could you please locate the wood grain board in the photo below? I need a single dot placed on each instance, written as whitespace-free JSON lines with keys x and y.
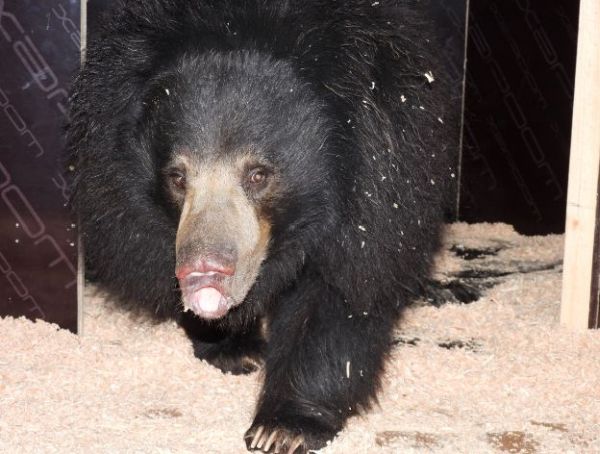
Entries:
{"x":581,"y":253}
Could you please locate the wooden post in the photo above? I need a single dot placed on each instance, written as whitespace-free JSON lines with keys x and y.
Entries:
{"x":80,"y":254}
{"x":580,"y":294}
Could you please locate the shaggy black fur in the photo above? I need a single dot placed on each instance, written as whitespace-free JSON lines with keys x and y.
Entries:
{"x":364,"y":143}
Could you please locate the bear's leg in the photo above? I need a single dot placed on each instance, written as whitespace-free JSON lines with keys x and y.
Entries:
{"x":323,"y":364}
{"x":234,"y":352}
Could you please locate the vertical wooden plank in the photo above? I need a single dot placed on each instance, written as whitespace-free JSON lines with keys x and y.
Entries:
{"x":80,"y":254}
{"x":462,"y":111}
{"x":582,"y":201}
{"x":595,"y":296}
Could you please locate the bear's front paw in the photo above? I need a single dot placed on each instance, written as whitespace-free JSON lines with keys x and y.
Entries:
{"x":298,"y":437}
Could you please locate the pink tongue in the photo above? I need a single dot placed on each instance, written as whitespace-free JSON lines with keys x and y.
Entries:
{"x":207,"y":300}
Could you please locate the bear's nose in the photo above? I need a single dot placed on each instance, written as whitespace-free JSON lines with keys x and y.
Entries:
{"x":211,"y":265}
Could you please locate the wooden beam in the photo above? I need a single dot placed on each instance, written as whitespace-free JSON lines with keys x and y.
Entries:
{"x":80,"y":254}
{"x":595,"y":304}
{"x":580,"y":280}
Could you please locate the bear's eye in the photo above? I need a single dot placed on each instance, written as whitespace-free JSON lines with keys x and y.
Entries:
{"x":257,"y":177}
{"x":177,"y":179}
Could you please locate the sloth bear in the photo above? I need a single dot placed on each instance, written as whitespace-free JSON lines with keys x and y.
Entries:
{"x":271,"y":174}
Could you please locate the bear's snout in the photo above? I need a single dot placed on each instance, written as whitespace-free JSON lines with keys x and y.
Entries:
{"x":203,"y":283}
{"x":221,"y":239}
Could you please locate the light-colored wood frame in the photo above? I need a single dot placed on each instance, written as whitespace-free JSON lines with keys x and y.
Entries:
{"x":80,"y":254}
{"x":580,"y":280}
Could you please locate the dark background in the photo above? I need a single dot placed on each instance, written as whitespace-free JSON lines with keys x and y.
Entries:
{"x":39,"y":51}
{"x":519,"y":98}
{"x":450,"y":17}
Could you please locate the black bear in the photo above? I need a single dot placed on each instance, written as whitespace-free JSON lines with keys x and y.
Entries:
{"x":271,"y":174}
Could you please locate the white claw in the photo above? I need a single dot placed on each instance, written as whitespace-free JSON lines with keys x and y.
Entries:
{"x":296,"y":443}
{"x":270,"y":440}
{"x":256,"y":438}
{"x":263,"y":440}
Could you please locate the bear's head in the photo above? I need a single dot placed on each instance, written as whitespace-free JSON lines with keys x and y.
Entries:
{"x":239,"y":145}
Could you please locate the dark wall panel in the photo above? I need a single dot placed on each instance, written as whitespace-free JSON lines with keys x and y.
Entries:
{"x":450,"y":16}
{"x":520,"y":78}
{"x":39,"y":52}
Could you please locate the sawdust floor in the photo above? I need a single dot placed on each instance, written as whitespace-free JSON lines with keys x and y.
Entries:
{"x":496,"y":375}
